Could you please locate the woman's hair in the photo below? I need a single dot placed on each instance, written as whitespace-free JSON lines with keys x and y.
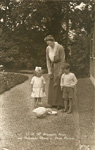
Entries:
{"x":49,"y":38}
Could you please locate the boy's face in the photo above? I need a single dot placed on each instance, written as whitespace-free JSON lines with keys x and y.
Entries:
{"x":67,"y":70}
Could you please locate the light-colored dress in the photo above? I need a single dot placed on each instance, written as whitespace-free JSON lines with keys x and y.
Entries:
{"x":38,"y":83}
{"x":52,"y":52}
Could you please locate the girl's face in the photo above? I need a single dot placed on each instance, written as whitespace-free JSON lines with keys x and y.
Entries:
{"x":38,"y":74}
{"x":50,"y":43}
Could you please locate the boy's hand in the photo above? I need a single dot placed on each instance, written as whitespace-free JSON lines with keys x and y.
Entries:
{"x":72,"y":86}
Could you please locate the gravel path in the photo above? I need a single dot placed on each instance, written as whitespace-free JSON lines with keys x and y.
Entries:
{"x":21,"y":130}
{"x":86,"y":109}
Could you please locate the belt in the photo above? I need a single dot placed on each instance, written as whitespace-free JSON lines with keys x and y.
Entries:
{"x":57,"y":61}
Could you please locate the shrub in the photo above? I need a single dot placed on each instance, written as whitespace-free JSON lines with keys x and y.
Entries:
{"x":9,"y":80}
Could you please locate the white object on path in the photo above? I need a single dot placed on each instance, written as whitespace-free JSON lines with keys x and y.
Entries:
{"x":42,"y":112}
{"x":52,"y":113}
{"x":5,"y":149}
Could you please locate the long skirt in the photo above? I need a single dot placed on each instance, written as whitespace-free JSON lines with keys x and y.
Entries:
{"x":55,"y":94}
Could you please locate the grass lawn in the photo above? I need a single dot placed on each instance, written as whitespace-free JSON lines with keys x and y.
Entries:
{"x":9,"y":80}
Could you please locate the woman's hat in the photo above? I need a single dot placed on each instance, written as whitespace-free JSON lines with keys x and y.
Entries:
{"x":38,"y":69}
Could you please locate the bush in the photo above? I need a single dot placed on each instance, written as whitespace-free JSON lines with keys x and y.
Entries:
{"x":9,"y":80}
{"x":79,"y":60}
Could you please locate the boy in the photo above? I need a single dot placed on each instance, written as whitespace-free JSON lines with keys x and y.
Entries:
{"x":68,"y":81}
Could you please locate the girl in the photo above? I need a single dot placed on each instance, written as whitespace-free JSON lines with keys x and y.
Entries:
{"x":38,"y":86}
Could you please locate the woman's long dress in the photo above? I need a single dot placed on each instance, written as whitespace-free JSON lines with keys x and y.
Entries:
{"x":55,"y":63}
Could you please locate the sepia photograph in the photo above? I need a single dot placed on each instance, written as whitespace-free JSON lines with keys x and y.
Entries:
{"x":47,"y":74}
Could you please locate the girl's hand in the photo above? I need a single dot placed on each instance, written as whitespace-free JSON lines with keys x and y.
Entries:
{"x":31,"y":87}
{"x":61,"y":88}
{"x":43,"y":89}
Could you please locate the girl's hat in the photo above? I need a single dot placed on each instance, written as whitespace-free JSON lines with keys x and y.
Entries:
{"x":38,"y":69}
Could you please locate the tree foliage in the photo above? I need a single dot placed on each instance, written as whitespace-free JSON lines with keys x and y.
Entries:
{"x":25,"y":23}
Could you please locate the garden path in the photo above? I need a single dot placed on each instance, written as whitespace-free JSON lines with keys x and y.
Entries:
{"x":21,"y":130}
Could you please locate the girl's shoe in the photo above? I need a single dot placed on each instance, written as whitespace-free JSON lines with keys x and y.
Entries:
{"x":58,"y":107}
{"x":69,"y":111}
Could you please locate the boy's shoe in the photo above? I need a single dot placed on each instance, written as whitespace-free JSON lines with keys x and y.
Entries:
{"x":69,"y":111}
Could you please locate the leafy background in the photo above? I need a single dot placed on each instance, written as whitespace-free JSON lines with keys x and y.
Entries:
{"x":25,"y":23}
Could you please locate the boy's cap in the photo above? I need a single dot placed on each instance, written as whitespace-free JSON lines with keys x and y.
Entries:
{"x":38,"y":69}
{"x":66,"y":66}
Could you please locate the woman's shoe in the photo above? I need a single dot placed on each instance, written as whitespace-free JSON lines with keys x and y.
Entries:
{"x":53,"y":106}
{"x":69,"y":111}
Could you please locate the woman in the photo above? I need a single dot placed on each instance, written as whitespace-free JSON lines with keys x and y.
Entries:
{"x":55,"y":58}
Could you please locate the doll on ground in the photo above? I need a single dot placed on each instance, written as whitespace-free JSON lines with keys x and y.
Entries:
{"x":38,"y":86}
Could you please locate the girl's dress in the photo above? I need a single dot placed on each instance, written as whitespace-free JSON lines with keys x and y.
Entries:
{"x":38,"y":83}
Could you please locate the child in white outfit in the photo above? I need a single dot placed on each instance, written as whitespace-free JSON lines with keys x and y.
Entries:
{"x":68,"y":81}
{"x":38,"y":86}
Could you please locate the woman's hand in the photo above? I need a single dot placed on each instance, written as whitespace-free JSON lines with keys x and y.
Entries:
{"x":50,"y":75}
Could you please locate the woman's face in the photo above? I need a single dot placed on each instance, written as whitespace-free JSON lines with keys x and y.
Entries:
{"x":50,"y":43}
